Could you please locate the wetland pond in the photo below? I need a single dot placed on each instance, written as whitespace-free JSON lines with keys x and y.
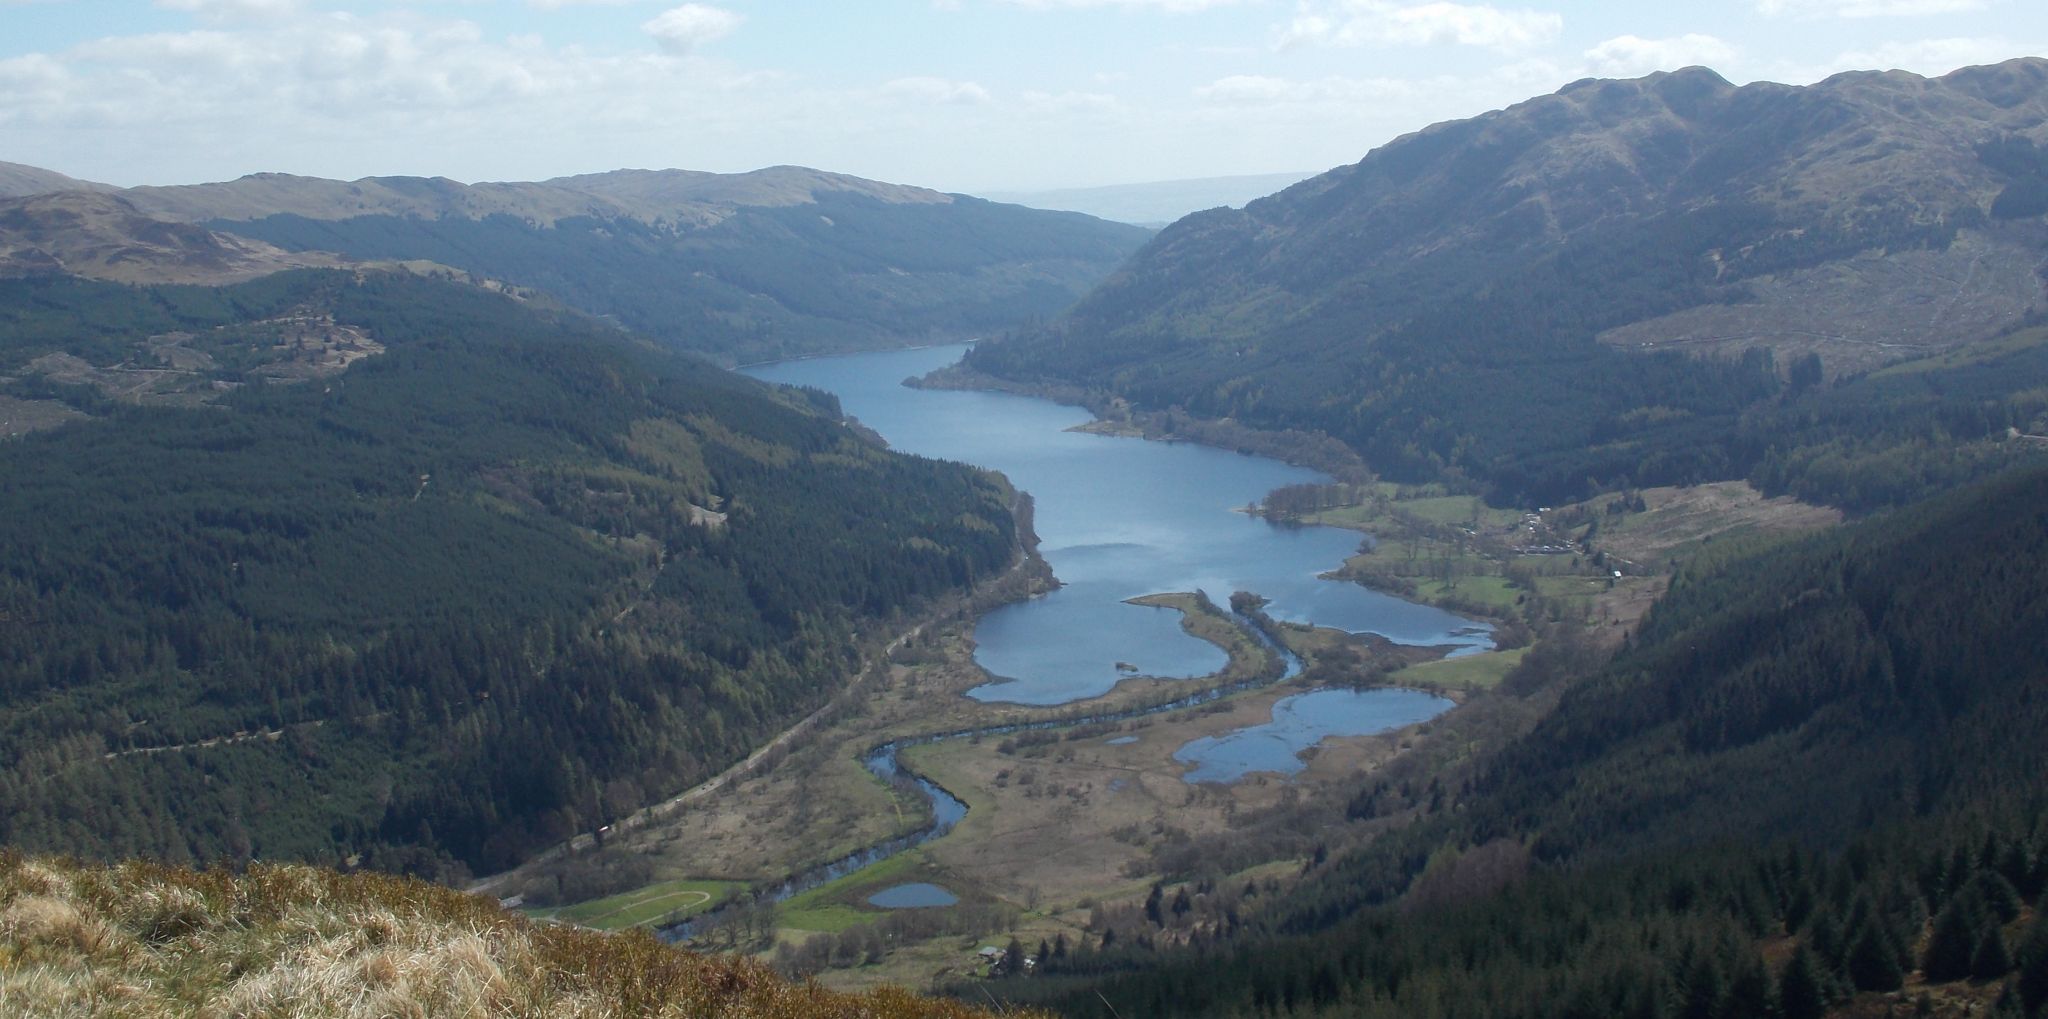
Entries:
{"x":1117,"y":518}
{"x":1300,"y":722}
{"x":913,"y":896}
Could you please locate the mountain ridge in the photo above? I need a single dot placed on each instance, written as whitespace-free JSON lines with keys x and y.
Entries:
{"x":20,"y":180}
{"x":102,"y":235}
{"x":1151,"y":203}
{"x":1498,"y":160}
{"x":778,"y":262}
{"x":1497,"y":292}
{"x":679,"y":199}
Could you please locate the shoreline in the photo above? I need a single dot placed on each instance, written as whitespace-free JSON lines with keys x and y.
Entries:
{"x":1116,"y":416}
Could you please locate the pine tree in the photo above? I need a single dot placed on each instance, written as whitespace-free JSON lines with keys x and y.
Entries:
{"x":1954,"y":941}
{"x":2008,"y":1005}
{"x":1874,"y":961}
{"x":1706,"y":989}
{"x":1802,"y":989}
{"x":1752,"y":993}
{"x":2033,"y":965}
{"x":1998,"y":894}
{"x":1992,"y":959}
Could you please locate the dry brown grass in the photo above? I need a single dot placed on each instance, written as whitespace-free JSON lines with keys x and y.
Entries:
{"x":145,"y":940}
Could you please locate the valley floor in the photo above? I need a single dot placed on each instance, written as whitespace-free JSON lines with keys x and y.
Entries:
{"x":1070,"y":828}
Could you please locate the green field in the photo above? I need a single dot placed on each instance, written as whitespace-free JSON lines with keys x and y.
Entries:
{"x":1360,"y":517}
{"x":1969,"y":354}
{"x":1571,"y":586}
{"x":1457,"y":511}
{"x":1494,"y":592}
{"x":827,"y":907}
{"x":640,"y":906}
{"x":1470,"y":672}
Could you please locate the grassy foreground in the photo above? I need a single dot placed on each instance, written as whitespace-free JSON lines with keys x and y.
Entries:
{"x":146,"y":940}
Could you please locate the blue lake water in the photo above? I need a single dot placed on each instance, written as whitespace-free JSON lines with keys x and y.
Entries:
{"x":913,"y":896}
{"x":1300,"y":722}
{"x":1117,"y":518}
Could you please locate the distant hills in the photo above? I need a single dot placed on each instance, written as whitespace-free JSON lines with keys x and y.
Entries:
{"x":101,"y":235}
{"x":19,"y":181}
{"x":1154,"y":203}
{"x":741,"y":267}
{"x":673,"y":198}
{"x":1590,"y":287}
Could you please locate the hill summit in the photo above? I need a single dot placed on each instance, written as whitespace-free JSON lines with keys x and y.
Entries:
{"x":146,"y":940}
{"x":778,"y":262}
{"x":1589,"y":270}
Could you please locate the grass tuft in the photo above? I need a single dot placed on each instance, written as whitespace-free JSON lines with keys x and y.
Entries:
{"x":148,"y":941}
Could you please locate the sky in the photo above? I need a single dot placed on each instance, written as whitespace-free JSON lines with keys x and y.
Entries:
{"x":961,"y":95}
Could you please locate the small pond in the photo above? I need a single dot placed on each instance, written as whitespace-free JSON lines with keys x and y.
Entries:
{"x":1300,"y":722}
{"x":913,"y":896}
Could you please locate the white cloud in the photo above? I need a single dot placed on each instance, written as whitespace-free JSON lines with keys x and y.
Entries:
{"x":1170,"y":6}
{"x":1068,"y":103}
{"x":1928,"y":56}
{"x":1864,"y":8}
{"x":681,"y":29}
{"x":1264,"y":90}
{"x":345,"y":89}
{"x":936,"y":90}
{"x":556,"y":5}
{"x":35,"y":81}
{"x":1386,"y":23}
{"x":234,"y":10}
{"x":1630,"y":55}
{"x":1456,"y":95}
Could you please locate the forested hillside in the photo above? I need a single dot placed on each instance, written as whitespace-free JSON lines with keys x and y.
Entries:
{"x":1814,"y":771}
{"x":839,"y":272}
{"x":743,"y":267}
{"x":1626,"y":282}
{"x":487,"y":578}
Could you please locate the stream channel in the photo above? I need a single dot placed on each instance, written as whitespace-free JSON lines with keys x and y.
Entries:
{"x":1117,"y":517}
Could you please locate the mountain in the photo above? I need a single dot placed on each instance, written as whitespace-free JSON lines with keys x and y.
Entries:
{"x":682,"y":198}
{"x":98,"y":235}
{"x":148,"y":940}
{"x":1569,"y":293}
{"x":778,"y":262}
{"x":363,"y":565}
{"x":1155,"y":203}
{"x":19,"y":181}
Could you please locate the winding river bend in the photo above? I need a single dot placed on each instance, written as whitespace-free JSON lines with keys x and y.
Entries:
{"x":1116,"y":518}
